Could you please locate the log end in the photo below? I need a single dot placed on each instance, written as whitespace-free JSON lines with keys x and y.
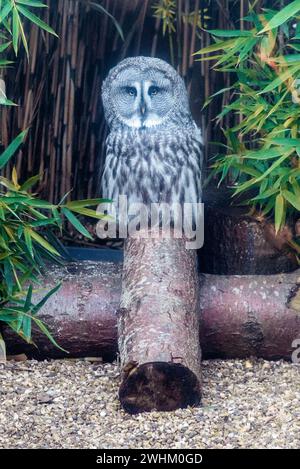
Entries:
{"x":160,"y":386}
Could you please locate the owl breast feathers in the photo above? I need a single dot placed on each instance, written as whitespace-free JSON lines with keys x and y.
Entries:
{"x":154,"y":148}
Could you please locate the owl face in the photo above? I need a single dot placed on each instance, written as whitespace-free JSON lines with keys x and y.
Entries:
{"x":142,"y":99}
{"x":143,"y":92}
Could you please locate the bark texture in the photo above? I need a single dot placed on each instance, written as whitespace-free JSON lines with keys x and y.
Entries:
{"x":81,"y":315}
{"x":158,"y":326}
{"x":240,"y":244}
{"x":239,"y":316}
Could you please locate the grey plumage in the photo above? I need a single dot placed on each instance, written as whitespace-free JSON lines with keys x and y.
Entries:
{"x":154,"y":148}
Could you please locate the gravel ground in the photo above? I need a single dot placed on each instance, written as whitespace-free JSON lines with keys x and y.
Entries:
{"x":73,"y":404}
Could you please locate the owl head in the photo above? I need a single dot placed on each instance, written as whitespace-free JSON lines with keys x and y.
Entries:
{"x":143,"y":92}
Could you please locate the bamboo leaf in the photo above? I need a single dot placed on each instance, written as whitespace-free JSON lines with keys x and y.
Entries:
{"x":282,"y":16}
{"x":6,"y":102}
{"x":32,"y":3}
{"x":246,"y":169}
{"x":245,"y":186}
{"x":287,"y":59}
{"x":4,"y":46}
{"x":296,"y":187}
{"x":264,"y":154}
{"x":15,"y":29}
{"x":279,"y":212}
{"x":292,"y":199}
{"x":85,"y":203}
{"x":39,"y":203}
{"x":208,"y":57}
{"x":89,"y":213}
{"x":100,"y":8}
{"x":6,"y":183}
{"x":14,"y":178}
{"x":230,"y":33}
{"x":23,"y":37}
{"x":39,"y":223}
{"x":269,"y":207}
{"x":286,"y":142}
{"x":5,"y":11}
{"x":35,"y":19}
{"x":41,"y":303}
{"x":267,"y":194}
{"x":28,"y":299}
{"x":45,"y":330}
{"x":289,"y":73}
{"x":217,"y":46}
{"x":4,"y":62}
{"x":274,"y":166}
{"x":12,"y":148}
{"x":28,"y":240}
{"x":40,"y":240}
{"x":26,"y":328}
{"x":76,"y":223}
{"x":30,"y":182}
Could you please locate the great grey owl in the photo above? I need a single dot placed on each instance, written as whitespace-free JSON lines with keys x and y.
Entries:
{"x":154,"y":148}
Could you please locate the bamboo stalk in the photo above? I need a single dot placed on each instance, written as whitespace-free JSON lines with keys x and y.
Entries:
{"x":142,"y":22}
{"x":58,"y":91}
{"x":185,"y":51}
{"x":179,"y":35}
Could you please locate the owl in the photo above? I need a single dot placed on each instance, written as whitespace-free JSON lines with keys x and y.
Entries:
{"x":154,"y":147}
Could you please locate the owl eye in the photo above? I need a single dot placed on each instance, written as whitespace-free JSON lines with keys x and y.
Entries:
{"x":153,"y":90}
{"x":130,"y":90}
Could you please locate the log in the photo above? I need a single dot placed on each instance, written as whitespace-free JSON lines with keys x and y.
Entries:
{"x":158,"y":325}
{"x":241,"y":244}
{"x":81,"y":315}
{"x":240,"y":316}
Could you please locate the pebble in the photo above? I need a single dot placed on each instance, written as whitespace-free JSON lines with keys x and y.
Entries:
{"x":74,"y":404}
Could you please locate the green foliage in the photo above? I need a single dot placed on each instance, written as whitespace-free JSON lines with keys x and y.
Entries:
{"x":103,"y":10}
{"x":263,"y":147}
{"x":172,"y":18}
{"x":12,"y":14}
{"x":27,"y":223}
{"x":12,"y":34}
{"x":166,"y":10}
{"x":24,"y":248}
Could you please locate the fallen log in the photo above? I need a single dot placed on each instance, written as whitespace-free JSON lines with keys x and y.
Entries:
{"x":240,"y":316}
{"x":158,"y":325}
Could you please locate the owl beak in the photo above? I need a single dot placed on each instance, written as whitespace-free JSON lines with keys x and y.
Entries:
{"x":143,"y":109}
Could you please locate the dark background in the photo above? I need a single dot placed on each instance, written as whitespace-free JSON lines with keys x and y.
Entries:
{"x":58,"y":89}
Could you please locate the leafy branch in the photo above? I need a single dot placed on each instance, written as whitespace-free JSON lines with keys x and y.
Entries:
{"x":263,"y":147}
{"x":23,"y":247}
{"x":28,"y":225}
